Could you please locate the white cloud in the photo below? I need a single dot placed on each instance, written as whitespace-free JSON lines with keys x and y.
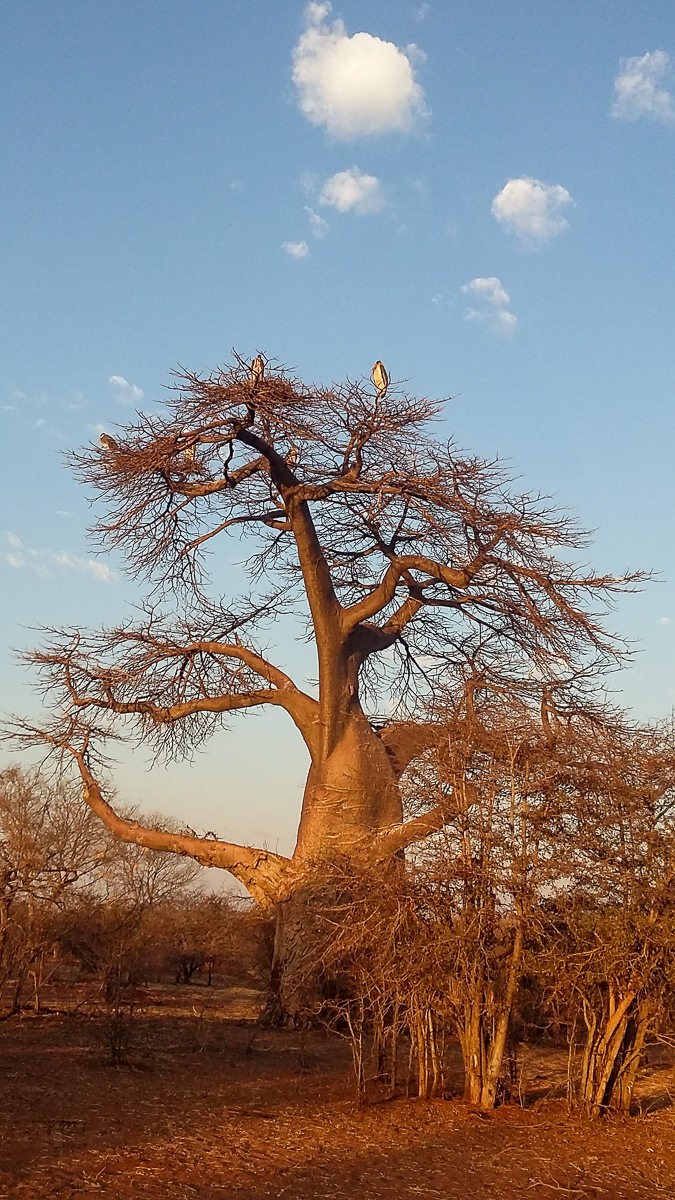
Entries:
{"x":353,"y":190}
{"x":415,"y":55}
{"x":354,"y":86}
{"x":531,"y":208}
{"x":637,"y":92}
{"x":126,"y":393}
{"x":309,"y":182}
{"x":70,"y":562}
{"x":296,"y":249}
{"x":665,"y":620}
{"x":43,"y":563}
{"x":318,"y":226}
{"x":493,"y":301}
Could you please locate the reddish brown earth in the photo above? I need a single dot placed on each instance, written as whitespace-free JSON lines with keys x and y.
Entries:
{"x":210,"y":1107}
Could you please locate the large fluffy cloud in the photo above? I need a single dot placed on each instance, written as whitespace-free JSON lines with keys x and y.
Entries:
{"x":357,"y":85}
{"x":637,"y":90}
{"x":353,"y":191}
{"x":492,"y":299}
{"x":531,"y":208}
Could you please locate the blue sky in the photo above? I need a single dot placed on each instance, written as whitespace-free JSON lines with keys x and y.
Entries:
{"x":481,"y":194}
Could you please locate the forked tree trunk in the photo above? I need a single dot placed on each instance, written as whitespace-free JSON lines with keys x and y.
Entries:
{"x":425,"y":1049}
{"x":495,"y":1056}
{"x":612,"y":1053}
{"x":633,"y":1049}
{"x":473,"y":1039}
{"x":482,"y":1034}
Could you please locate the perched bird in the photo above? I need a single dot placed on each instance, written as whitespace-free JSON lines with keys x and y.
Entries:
{"x":108,"y":442}
{"x":380,"y":379}
{"x":257,"y":370}
{"x":189,"y":450}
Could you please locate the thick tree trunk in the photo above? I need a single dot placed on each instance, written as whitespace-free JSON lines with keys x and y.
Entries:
{"x":348,"y":799}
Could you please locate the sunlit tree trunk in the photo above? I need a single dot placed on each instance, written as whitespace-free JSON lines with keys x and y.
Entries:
{"x":482,"y":1029}
{"x":612,"y":1052}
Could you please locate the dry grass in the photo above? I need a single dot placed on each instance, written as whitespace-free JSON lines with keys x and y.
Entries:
{"x":210,"y":1106}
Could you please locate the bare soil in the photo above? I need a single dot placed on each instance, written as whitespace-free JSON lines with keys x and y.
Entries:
{"x":208,"y":1105}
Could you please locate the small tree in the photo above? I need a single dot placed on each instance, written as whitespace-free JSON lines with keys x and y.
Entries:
{"x":393,"y":548}
{"x":49,"y":847}
{"x":498,"y":772}
{"x":203,"y":933}
{"x":607,"y":941}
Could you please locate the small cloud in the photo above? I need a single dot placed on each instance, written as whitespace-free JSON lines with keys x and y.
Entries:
{"x":76,"y":403}
{"x":354,"y":86}
{"x":532,"y":209}
{"x":309,"y":182}
{"x":637,"y":90}
{"x":43,"y":563}
{"x":437,"y":298}
{"x":353,"y":190}
{"x":665,"y":620}
{"x":296,"y":249}
{"x":493,"y":300}
{"x":70,"y":562}
{"x":318,"y":226}
{"x":422,"y":12}
{"x":126,"y":393}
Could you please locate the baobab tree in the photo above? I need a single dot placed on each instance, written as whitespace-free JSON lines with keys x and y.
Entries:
{"x":402,"y":555}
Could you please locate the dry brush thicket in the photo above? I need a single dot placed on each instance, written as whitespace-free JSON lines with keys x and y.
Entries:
{"x":544,"y":910}
{"x":457,"y":719}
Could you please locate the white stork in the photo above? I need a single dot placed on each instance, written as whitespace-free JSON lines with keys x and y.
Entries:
{"x":257,"y":370}
{"x":108,"y":442}
{"x":380,"y":379}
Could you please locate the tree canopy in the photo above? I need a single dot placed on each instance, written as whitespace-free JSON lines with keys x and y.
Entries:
{"x":412,"y":563}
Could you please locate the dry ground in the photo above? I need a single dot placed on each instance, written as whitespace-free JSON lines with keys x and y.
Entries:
{"x":209,"y":1106}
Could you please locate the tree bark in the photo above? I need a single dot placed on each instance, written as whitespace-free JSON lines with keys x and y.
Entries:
{"x":496,"y":1050}
{"x":611,"y":1054}
{"x":483,"y":1042}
